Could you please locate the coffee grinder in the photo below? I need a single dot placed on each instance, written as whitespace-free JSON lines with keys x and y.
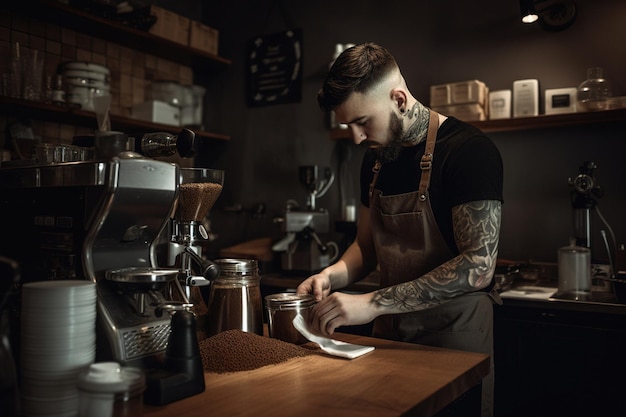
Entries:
{"x":302,"y":248}
{"x":199,"y":190}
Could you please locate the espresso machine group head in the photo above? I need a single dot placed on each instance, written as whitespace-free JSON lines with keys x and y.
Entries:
{"x":316,"y":187}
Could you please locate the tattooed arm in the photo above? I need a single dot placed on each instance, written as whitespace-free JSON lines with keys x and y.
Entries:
{"x":476,"y":231}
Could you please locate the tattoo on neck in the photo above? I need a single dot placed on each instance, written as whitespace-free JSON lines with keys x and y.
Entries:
{"x":420,"y":118}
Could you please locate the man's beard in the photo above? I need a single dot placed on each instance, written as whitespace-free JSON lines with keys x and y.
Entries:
{"x":392,"y":150}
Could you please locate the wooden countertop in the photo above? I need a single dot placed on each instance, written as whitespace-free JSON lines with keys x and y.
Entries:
{"x":396,"y":379}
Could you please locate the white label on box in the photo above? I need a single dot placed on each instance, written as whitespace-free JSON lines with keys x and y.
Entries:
{"x":561,"y":100}
{"x":500,"y":104}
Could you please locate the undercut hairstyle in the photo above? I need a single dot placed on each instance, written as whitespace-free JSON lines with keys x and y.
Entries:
{"x":356,"y":70}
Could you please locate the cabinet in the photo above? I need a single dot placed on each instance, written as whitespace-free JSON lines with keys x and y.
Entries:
{"x":553,"y":361}
{"x":59,"y":13}
{"x":530,"y":123}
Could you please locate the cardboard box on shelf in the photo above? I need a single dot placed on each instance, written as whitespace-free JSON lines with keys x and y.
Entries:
{"x":181,"y":34}
{"x":170,"y":25}
{"x":203,"y":37}
{"x":463,"y":92}
{"x":467,"y":112}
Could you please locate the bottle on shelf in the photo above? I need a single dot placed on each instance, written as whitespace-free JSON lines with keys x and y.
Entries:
{"x":57,"y":95}
{"x":594,"y":93}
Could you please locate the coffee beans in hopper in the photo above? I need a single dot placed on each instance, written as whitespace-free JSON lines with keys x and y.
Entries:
{"x":196,"y":199}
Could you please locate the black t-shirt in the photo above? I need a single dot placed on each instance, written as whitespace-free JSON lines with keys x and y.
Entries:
{"x":467,"y":166}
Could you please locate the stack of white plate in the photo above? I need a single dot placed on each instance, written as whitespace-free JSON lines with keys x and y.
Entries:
{"x":58,"y":342}
{"x":83,"y":81}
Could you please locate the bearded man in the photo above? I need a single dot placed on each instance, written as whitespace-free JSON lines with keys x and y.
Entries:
{"x":429,"y":219}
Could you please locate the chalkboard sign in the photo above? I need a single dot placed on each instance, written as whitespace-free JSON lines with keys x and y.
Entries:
{"x":274,"y":68}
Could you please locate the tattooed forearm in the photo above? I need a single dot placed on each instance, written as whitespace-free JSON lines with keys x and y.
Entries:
{"x":476,"y":231}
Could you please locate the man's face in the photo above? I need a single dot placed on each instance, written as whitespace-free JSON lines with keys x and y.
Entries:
{"x":373,"y":122}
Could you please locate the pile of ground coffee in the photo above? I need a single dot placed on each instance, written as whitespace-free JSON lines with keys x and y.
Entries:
{"x":236,"y":350}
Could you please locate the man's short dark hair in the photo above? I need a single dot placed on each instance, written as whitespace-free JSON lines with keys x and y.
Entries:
{"x":357,"y":69}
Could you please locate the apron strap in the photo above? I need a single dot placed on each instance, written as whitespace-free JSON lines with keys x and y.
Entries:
{"x":376,"y":171}
{"x":426,"y":163}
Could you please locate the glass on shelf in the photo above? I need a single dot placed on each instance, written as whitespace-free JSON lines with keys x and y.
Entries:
{"x":594,"y":93}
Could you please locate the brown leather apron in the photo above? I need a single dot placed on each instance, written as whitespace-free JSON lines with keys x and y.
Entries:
{"x":408,"y":245}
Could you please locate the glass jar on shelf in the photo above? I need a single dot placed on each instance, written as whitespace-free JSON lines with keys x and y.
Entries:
{"x":594,"y":93}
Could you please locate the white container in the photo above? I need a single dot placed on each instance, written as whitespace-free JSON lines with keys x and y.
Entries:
{"x":169,"y":92}
{"x":157,"y":112}
{"x":526,"y":98}
{"x":560,"y":100}
{"x":500,"y":104}
{"x":108,"y":390}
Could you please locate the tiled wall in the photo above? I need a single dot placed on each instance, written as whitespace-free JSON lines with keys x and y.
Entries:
{"x":131,"y":70}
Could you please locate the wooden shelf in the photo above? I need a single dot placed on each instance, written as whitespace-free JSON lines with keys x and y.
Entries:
{"x":531,"y":123}
{"x":84,"y":22}
{"x":27,"y":109}
{"x":552,"y":121}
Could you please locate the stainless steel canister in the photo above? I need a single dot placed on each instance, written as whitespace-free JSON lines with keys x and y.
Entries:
{"x":574,"y":273}
{"x":281,"y":309}
{"x":235,"y":297}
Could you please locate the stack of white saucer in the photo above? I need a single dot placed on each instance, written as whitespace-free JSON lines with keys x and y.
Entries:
{"x":58,"y":342}
{"x":85,"y":80}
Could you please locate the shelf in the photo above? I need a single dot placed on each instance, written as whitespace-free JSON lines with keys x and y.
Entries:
{"x":530,"y":123}
{"x":552,"y":121}
{"x":49,"y":112}
{"x":81,"y":21}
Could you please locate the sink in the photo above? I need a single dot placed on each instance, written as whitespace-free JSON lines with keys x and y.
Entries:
{"x":529,"y":292}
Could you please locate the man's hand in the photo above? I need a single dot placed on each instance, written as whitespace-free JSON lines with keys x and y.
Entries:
{"x":340,"y":309}
{"x":318,"y":285}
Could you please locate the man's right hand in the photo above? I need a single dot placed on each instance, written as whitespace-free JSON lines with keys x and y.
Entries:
{"x":318,"y":285}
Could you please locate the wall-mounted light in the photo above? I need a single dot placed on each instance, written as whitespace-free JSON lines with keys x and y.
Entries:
{"x":528,"y":11}
{"x":553,"y":15}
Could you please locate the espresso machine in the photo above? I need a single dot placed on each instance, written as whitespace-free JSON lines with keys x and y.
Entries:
{"x":102,"y":220}
{"x":302,"y":249}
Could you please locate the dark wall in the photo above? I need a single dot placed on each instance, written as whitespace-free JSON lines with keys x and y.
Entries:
{"x":434,"y":42}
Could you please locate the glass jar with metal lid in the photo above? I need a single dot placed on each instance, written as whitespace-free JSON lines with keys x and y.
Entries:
{"x":235,"y":297}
